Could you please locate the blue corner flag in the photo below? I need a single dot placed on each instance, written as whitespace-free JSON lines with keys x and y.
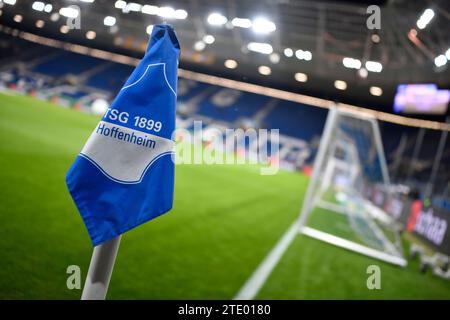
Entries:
{"x":124,"y":175}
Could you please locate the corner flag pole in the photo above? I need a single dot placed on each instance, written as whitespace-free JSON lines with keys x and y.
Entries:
{"x":100,"y":270}
{"x":118,"y":184}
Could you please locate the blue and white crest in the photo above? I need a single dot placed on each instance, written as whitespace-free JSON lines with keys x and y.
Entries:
{"x":124,"y":175}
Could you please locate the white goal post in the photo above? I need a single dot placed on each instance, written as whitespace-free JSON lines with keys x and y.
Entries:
{"x":328,"y":166}
{"x":349,"y":158}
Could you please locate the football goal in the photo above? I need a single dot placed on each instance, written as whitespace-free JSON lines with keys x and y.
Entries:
{"x":350,"y":161}
{"x":336,"y":209}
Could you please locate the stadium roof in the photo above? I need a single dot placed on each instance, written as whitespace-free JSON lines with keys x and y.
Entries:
{"x":301,"y":46}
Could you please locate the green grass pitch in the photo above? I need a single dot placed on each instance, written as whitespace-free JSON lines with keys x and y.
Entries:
{"x":225,"y":220}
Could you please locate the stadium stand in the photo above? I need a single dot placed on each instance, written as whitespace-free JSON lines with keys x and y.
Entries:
{"x":50,"y":69}
{"x":65,"y":63}
{"x":228,"y":105}
{"x":111,"y":78}
{"x":289,"y":117}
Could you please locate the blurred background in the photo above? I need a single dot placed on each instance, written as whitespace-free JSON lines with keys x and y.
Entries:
{"x":279,"y":64}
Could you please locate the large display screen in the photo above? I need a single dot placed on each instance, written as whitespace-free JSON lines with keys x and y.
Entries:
{"x":421,"y":99}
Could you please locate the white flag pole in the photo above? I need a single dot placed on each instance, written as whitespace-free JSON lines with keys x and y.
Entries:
{"x":100,"y":270}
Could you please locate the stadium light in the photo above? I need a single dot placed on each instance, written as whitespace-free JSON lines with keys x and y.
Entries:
{"x":374,"y":66}
{"x":41,"y":6}
{"x":148,"y":9}
{"x":64,"y":29}
{"x":440,"y":60}
{"x":120,"y":4}
{"x":149,"y":29}
{"x":303,"y":55}
{"x":38,"y":6}
{"x":307,"y":55}
{"x":412,"y":33}
{"x":132,"y":6}
{"x":260,"y":47}
{"x":87,"y":1}
{"x":10,"y":2}
{"x":262,"y":25}
{"x":166,"y":12}
{"x":351,"y":63}
{"x":363,"y":73}
{"x":288,"y":52}
{"x":447,"y":54}
{"x":425,"y":18}
{"x":109,"y":21}
{"x":90,"y":35}
{"x":199,"y":46}
{"x":40,"y":23}
{"x":340,"y":85}
{"x":209,"y":39}
{"x":216,"y":19}
{"x":264,"y":70}
{"x":241,"y":23}
{"x":421,"y":24}
{"x":69,"y":12}
{"x":231,"y":64}
{"x":18,"y":18}
{"x":54,"y":17}
{"x":301,"y":77}
{"x":375,"y":38}
{"x":180,"y":14}
{"x":299,"y":54}
{"x":274,"y":58}
{"x":376,"y":91}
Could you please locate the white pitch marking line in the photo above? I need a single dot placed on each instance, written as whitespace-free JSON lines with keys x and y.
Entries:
{"x":252,"y":286}
{"x":352,"y":246}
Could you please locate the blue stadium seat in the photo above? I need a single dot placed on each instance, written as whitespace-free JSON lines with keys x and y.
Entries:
{"x":244,"y":104}
{"x":296,"y":120}
{"x":111,"y":78}
{"x":65,"y":63}
{"x":188,"y":89}
{"x":74,"y":95}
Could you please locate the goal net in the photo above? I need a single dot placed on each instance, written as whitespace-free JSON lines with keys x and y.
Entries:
{"x":350,"y":160}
